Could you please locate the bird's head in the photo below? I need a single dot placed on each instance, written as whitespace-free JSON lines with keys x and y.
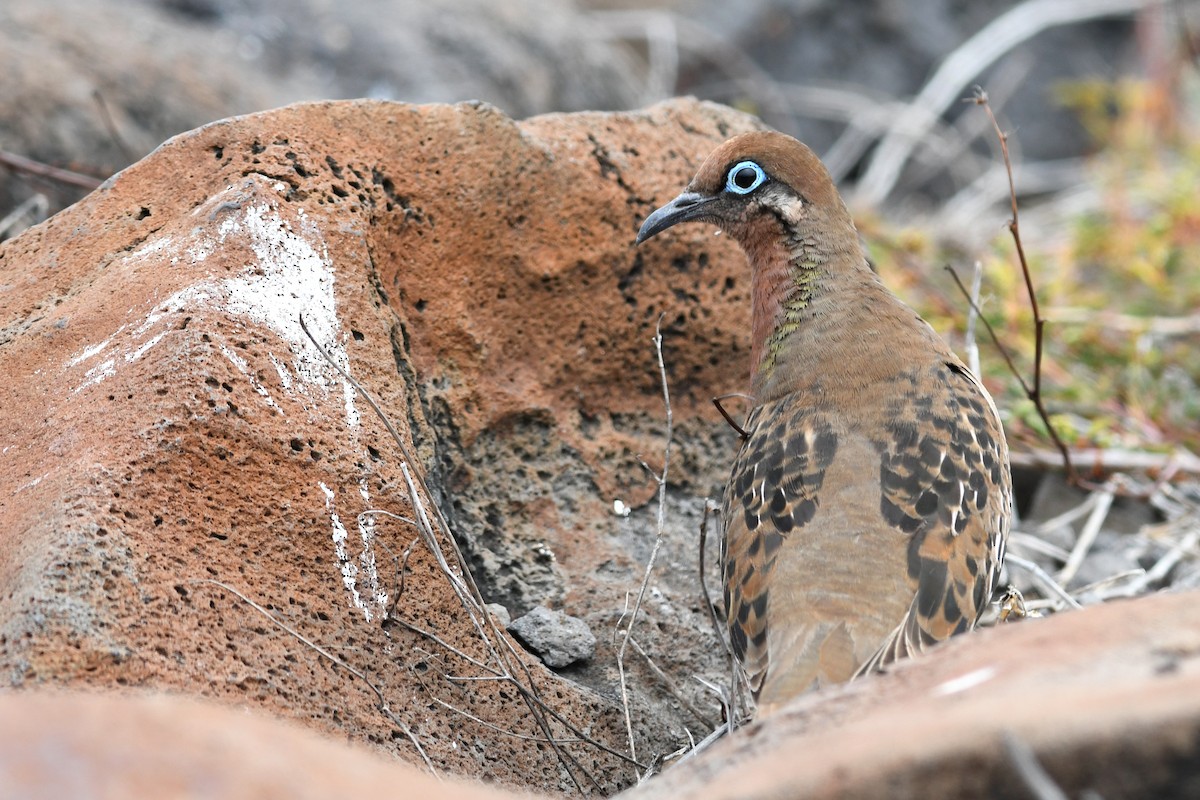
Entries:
{"x":756,"y":187}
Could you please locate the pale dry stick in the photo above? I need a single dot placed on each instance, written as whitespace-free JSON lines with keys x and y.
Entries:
{"x":672,"y":687}
{"x":1031,"y":773}
{"x":704,"y":596}
{"x":972,"y":347}
{"x":714,"y":736}
{"x":401,"y":572}
{"x":529,"y":695}
{"x":659,"y":31}
{"x":491,"y":726}
{"x":1067,"y":517}
{"x":389,"y":514}
{"x":382,"y":706}
{"x":959,"y":161}
{"x":110,"y":124}
{"x":963,"y":210}
{"x":1173,"y":502}
{"x":1030,"y":543}
{"x":1114,"y":321}
{"x":960,"y":68}
{"x":1042,"y":577}
{"x":1087,"y":536}
{"x":475,"y":609}
{"x":661,"y":479}
{"x":1117,"y":585}
{"x":400,"y":562}
{"x":35,"y":206}
{"x":39,"y":170}
{"x":504,"y":678}
{"x":433,"y":637}
{"x":464,"y":586}
{"x":752,"y":80}
{"x":731,"y":698}
{"x":1164,"y":565}
{"x":513,"y":734}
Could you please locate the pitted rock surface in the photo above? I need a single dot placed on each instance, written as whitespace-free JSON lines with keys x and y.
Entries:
{"x":175,"y":448}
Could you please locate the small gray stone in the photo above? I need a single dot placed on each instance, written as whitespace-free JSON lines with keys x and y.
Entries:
{"x":558,"y":639}
{"x":500,"y":613}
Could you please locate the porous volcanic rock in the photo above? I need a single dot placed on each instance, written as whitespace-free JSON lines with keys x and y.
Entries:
{"x":175,"y":448}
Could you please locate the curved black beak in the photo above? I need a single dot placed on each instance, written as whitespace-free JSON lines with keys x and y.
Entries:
{"x":687,"y":206}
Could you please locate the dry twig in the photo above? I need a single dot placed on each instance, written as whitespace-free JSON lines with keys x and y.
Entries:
{"x":382,"y":705}
{"x":1034,"y":391}
{"x":961,"y":67}
{"x":39,"y":170}
{"x":503,"y":662}
{"x":661,"y":478}
{"x":1031,"y":773}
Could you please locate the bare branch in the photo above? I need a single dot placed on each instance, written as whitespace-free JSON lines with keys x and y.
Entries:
{"x":661,"y":478}
{"x":382,"y":705}
{"x":1031,"y":773}
{"x":40,"y":170}
{"x":962,"y":67}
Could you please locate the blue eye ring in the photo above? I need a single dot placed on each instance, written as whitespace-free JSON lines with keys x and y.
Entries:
{"x":744,"y":177}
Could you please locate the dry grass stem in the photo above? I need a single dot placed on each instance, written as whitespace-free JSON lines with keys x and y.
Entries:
{"x":504,"y":662}
{"x":382,"y":705}
{"x":1087,"y":536}
{"x":960,"y":68}
{"x":34,"y":207}
{"x":1043,"y":578}
{"x":39,"y":170}
{"x":672,"y":687}
{"x":1115,"y":321}
{"x":626,"y":634}
{"x":1025,"y":764}
{"x":1030,"y":543}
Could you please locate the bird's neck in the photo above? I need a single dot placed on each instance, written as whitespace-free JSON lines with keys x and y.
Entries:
{"x":797,"y":283}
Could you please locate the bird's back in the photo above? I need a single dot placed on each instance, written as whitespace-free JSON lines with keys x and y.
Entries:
{"x":864,"y":518}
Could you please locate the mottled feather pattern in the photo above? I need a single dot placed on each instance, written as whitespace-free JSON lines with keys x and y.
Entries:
{"x":772,"y":493}
{"x":867,"y":510}
{"x":943,"y":494}
{"x":944,"y":481}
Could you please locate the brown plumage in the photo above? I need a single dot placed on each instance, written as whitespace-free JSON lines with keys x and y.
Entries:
{"x":867,"y":510}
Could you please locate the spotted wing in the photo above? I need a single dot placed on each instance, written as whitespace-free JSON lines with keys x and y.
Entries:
{"x":772,"y":492}
{"x":945,"y":482}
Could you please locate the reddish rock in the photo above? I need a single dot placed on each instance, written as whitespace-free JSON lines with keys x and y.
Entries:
{"x":1107,"y":698}
{"x":57,"y":745}
{"x":172,"y":439}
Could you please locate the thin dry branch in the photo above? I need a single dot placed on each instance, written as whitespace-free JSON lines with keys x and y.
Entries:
{"x":961,"y":67}
{"x":1030,"y":771}
{"x":1087,"y":536}
{"x":110,"y":125}
{"x":39,"y":170}
{"x":1042,"y":577}
{"x":661,"y":478}
{"x":1131,"y":323}
{"x":1034,"y":391}
{"x":704,"y":595}
{"x":36,"y":207}
{"x":672,"y":687}
{"x":382,"y":704}
{"x":510,"y":666}
{"x":1100,"y":461}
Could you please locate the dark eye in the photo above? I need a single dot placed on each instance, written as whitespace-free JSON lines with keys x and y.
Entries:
{"x":745,"y":177}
